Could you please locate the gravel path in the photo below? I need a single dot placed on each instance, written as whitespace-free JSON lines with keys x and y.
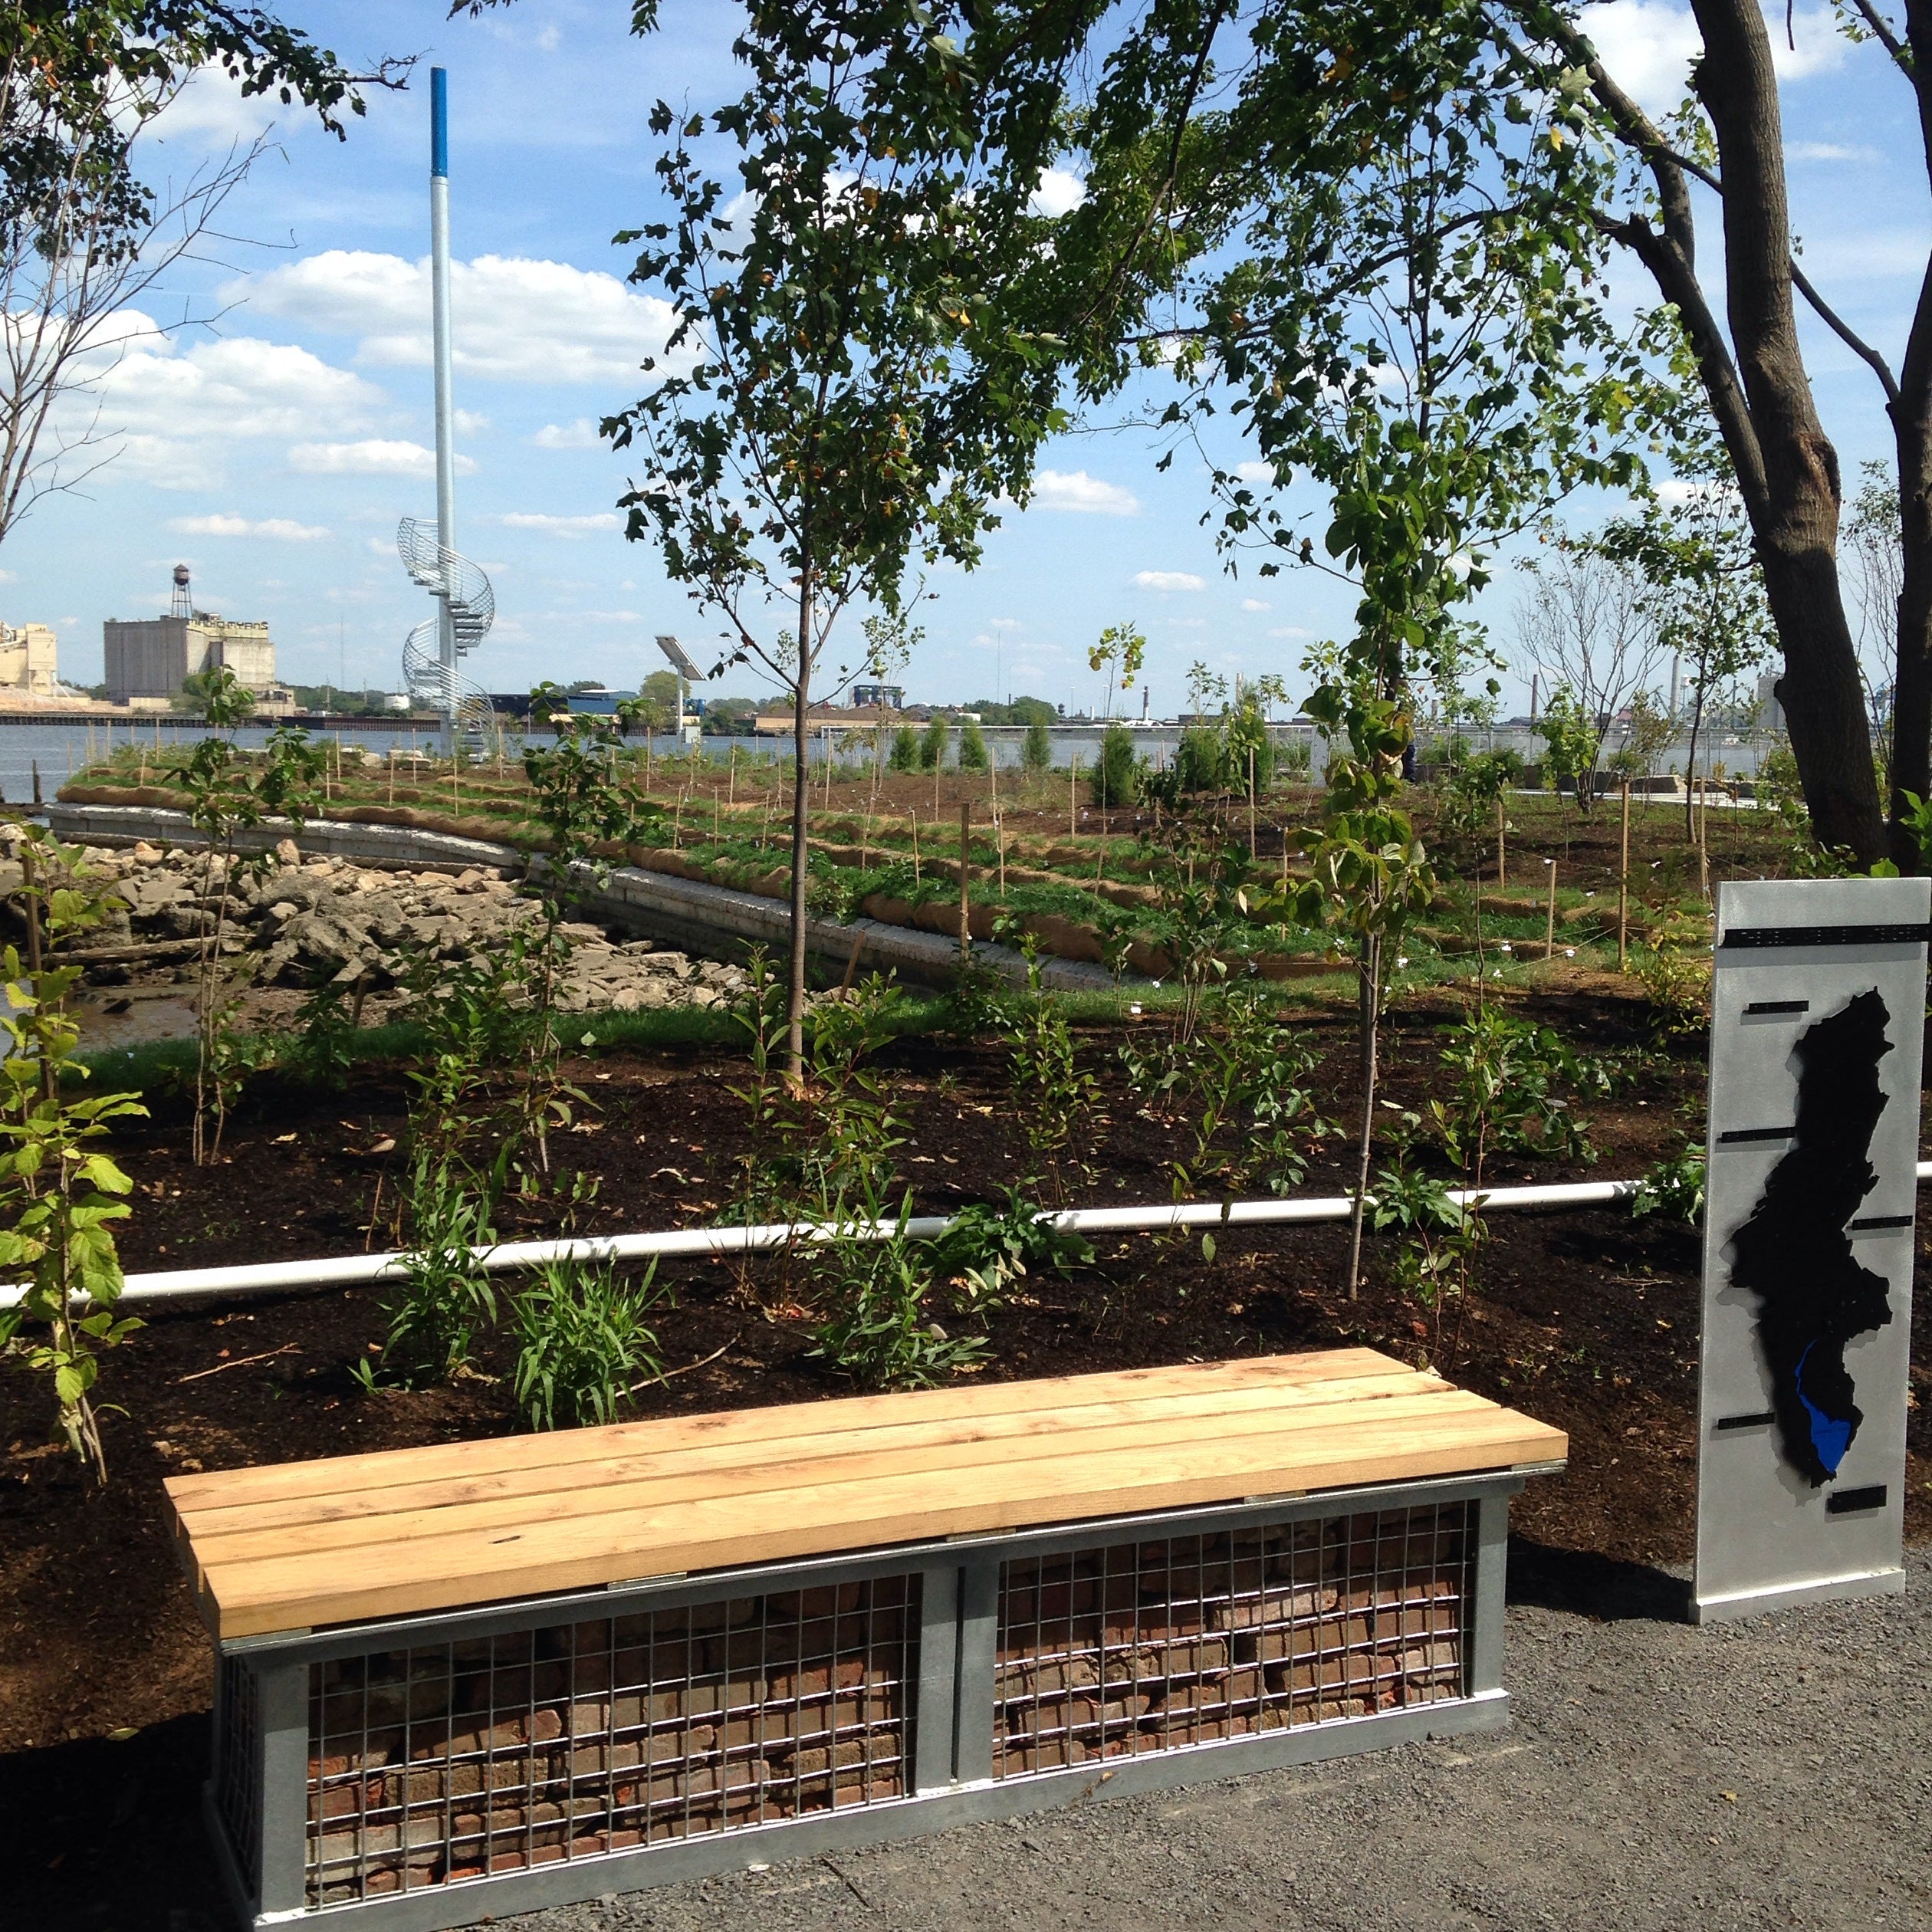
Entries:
{"x":1774,"y":1773}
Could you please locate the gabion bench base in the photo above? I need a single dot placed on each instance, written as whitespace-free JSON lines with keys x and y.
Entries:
{"x":425,"y":1771}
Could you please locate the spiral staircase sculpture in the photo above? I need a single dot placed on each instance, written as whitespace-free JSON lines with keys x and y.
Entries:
{"x":434,"y":685}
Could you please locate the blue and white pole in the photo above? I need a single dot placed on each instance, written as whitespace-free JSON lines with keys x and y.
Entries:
{"x":445,"y":408}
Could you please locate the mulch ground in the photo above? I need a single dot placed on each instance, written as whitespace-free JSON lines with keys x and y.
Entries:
{"x":1588,"y":1320}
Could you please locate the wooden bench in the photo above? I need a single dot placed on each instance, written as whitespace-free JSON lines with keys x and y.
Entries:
{"x":571,"y":1664}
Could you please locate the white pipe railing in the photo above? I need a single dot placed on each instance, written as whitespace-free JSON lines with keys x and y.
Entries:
{"x":348,"y":1270}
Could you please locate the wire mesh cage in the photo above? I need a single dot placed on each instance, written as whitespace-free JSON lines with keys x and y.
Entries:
{"x":1151,"y":1646}
{"x":453,"y":1761}
{"x":237,"y":1765}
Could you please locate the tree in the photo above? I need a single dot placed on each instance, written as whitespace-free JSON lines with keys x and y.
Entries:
{"x":1037,"y":755}
{"x":1876,"y":562}
{"x":933,"y":743}
{"x":83,"y":241}
{"x":973,"y":755}
{"x":843,"y":400}
{"x":1368,"y":874}
{"x":1587,"y":631}
{"x":1704,"y":588}
{"x":1378,"y":271}
{"x":1572,"y":739}
{"x":1749,"y":361}
{"x":905,"y":755}
{"x":1122,"y":646}
{"x":1116,"y":772}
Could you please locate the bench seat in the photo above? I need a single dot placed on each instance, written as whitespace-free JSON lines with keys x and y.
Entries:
{"x":305,"y":1546}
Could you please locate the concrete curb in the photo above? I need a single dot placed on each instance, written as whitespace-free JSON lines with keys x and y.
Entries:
{"x":689,"y":913}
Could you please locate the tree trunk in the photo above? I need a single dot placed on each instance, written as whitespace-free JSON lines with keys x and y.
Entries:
{"x":1794,"y":510}
{"x":1911,"y":759}
{"x":801,"y":851}
{"x":1371,"y":1001}
{"x":1760,"y":396}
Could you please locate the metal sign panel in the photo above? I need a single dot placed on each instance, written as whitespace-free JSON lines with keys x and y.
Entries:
{"x":1817,"y":1013}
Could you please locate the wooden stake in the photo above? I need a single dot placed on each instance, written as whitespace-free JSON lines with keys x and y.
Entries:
{"x":1623,"y":888}
{"x":1703,"y":836}
{"x":915,"y":846}
{"x":1550,"y":931}
{"x":1073,"y":797}
{"x":965,"y":880}
{"x":1502,"y":865}
{"x":1251,"y":844}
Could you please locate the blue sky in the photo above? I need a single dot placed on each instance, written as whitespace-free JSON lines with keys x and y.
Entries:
{"x":273,"y":450}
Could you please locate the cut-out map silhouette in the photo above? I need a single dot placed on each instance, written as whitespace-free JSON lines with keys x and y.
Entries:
{"x":1794,"y":1252}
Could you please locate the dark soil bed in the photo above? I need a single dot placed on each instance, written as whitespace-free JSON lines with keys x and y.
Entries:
{"x":1588,"y":1320}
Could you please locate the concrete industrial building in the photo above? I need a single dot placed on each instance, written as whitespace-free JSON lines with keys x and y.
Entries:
{"x":28,"y":658}
{"x":150,"y":657}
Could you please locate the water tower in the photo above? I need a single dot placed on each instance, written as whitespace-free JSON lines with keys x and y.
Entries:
{"x":181,"y":604}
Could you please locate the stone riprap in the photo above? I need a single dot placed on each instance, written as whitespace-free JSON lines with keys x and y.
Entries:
{"x":298,"y":923}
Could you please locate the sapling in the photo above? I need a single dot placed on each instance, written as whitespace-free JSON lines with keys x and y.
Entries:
{"x":1054,"y":1096}
{"x":229,"y":793}
{"x":1368,"y":873}
{"x":58,"y":1190}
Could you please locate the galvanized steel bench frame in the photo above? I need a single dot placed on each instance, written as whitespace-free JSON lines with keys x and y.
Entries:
{"x":953,"y":1722}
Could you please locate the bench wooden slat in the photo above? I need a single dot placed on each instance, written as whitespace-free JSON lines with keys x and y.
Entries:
{"x":452,"y":1525}
{"x":433,"y":1572}
{"x":720,"y":1453}
{"x":949,"y":1462}
{"x":382,"y":1468}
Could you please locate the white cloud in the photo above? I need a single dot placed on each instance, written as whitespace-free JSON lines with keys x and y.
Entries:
{"x":1648,"y":46}
{"x":1076,"y":490}
{"x":284,"y":530}
{"x":1828,"y":151}
{"x":8,"y":576}
{"x":1059,"y":192}
{"x":516,"y":320}
{"x":469,"y":423}
{"x":1887,"y":255}
{"x":1003,"y":624}
{"x":1166,"y":580}
{"x":1252,"y":472}
{"x":212,"y":112}
{"x":581,"y":433}
{"x":377,"y":456}
{"x":1255,"y":603}
{"x":1289,"y":630}
{"x":599,"y":521}
{"x":176,"y":412}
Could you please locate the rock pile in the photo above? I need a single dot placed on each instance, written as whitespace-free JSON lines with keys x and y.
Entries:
{"x":308,"y":922}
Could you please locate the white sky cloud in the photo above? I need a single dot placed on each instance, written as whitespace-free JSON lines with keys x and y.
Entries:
{"x":1060,"y":191}
{"x":1003,"y":623}
{"x":1289,"y":630}
{"x":516,"y":320}
{"x":580,"y":433}
{"x":1075,"y":490}
{"x":1828,"y":151}
{"x":1255,"y":603}
{"x":179,"y":408}
{"x":1166,"y":580}
{"x":587,"y":526}
{"x":284,"y":530}
{"x":1647,"y":45}
{"x":1253,"y":472}
{"x":377,"y":456}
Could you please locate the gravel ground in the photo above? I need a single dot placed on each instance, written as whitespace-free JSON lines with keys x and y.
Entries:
{"x":1772,"y":1773}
